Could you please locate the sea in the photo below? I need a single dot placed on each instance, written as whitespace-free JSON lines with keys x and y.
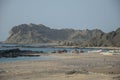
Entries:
{"x":41,"y":47}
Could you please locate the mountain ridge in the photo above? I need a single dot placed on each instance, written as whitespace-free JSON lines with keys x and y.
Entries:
{"x":33,"y":34}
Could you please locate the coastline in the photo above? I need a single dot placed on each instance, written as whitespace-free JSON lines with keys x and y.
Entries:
{"x":65,"y":66}
{"x":109,"y":48}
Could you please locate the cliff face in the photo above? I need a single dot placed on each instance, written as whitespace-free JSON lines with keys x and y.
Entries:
{"x":32,"y":33}
{"x":27,"y":34}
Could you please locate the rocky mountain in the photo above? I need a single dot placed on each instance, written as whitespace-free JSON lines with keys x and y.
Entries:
{"x":33,"y":34}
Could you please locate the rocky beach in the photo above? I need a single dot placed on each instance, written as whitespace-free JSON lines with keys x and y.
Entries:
{"x":60,"y":40}
{"x":67,"y":66}
{"x":71,"y":54}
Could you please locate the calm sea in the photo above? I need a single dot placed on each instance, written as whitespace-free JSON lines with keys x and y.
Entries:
{"x":45,"y":50}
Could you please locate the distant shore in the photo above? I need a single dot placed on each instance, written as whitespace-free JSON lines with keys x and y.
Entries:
{"x":89,"y":47}
{"x":52,"y":45}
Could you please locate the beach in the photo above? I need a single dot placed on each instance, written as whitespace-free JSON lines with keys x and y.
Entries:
{"x":65,"y":66}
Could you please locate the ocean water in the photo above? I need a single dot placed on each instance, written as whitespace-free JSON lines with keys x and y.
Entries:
{"x":26,"y":59}
{"x":45,"y":50}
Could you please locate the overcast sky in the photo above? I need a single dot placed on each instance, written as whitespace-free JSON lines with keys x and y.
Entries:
{"x":76,"y":14}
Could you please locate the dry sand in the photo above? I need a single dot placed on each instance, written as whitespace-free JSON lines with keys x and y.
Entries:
{"x":65,"y":67}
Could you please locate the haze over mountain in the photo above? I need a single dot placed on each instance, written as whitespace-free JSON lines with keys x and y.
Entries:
{"x":33,"y":34}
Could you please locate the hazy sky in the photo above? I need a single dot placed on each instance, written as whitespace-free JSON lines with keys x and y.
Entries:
{"x":76,"y":14}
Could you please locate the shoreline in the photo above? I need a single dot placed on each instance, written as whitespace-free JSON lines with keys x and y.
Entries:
{"x":111,"y":48}
{"x":52,"y":45}
{"x":91,"y":66}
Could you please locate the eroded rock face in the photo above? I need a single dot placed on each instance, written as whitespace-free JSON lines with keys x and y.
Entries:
{"x":32,"y":33}
{"x":27,"y":34}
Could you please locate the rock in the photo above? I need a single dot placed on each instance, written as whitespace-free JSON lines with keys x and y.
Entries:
{"x":71,"y":72}
{"x":17,"y":52}
{"x":76,"y":72}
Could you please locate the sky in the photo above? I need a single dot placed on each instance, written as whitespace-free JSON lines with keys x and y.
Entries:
{"x":58,"y":14}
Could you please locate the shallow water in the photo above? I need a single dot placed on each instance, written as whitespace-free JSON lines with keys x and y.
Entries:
{"x":26,"y":59}
{"x":45,"y":50}
{"x":37,"y":47}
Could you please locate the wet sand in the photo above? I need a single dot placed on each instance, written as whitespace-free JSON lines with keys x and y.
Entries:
{"x":64,"y":67}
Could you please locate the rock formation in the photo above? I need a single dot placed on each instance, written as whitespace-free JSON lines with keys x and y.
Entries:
{"x":33,"y":34}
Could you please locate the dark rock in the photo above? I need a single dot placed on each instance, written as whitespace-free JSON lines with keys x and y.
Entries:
{"x":17,"y":52}
{"x":76,"y":72}
{"x":71,"y":72}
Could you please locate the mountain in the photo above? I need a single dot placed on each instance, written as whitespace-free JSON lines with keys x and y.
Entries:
{"x":33,"y":34}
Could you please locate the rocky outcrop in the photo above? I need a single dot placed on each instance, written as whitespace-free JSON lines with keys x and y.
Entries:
{"x":33,"y":34}
{"x":11,"y":53}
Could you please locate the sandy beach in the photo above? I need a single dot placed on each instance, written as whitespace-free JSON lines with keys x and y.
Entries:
{"x":64,"y":67}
